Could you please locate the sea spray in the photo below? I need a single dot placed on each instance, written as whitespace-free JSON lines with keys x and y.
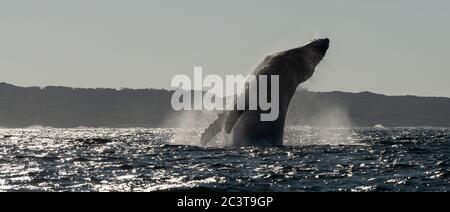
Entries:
{"x":329,"y":125}
{"x":188,"y":126}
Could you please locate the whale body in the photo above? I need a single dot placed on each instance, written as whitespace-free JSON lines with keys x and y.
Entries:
{"x":292,"y":67}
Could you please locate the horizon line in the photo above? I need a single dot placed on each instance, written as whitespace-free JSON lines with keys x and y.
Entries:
{"x":150,"y":88}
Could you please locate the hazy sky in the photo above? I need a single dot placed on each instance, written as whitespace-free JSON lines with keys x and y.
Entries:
{"x":384,"y":46}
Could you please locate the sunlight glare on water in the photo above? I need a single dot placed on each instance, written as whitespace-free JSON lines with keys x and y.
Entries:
{"x":314,"y":159}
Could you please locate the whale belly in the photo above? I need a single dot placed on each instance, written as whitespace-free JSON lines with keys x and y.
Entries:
{"x":250,"y":131}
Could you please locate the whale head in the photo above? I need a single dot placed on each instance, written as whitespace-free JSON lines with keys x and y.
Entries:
{"x":299,"y":63}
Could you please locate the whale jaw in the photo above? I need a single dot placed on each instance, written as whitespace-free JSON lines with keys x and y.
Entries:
{"x":299,"y":63}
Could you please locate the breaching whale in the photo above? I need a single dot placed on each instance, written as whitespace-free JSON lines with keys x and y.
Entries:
{"x":292,"y":67}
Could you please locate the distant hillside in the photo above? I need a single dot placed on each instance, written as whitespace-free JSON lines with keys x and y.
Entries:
{"x":74,"y":107}
{"x":68,"y":107}
{"x":369,"y":109}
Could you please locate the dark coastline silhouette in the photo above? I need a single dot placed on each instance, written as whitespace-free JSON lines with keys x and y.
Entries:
{"x":65,"y":107}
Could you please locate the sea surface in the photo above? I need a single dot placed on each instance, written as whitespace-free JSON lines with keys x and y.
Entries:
{"x":314,"y":159}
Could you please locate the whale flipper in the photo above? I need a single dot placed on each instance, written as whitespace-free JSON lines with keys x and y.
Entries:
{"x":225,"y":121}
{"x":214,"y":128}
{"x":231,"y":120}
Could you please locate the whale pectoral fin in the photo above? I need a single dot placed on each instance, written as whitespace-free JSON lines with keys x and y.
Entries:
{"x":232,"y":118}
{"x":235,"y":114}
{"x":213,"y":129}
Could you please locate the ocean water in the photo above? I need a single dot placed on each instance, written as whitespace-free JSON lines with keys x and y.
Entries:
{"x":314,"y":159}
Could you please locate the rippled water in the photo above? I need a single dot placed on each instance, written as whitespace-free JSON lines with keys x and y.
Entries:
{"x":368,"y":159}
